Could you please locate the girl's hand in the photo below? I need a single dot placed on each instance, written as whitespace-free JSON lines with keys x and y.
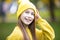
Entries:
{"x":37,"y":16}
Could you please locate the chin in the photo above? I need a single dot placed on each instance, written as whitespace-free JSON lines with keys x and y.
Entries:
{"x":27,"y":23}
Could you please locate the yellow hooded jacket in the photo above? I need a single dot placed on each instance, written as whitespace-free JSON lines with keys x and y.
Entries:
{"x":45,"y":32}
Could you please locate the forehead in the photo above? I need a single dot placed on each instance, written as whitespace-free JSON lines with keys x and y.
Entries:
{"x":31,"y":10}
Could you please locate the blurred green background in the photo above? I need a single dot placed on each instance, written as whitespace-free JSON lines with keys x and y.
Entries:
{"x":7,"y":25}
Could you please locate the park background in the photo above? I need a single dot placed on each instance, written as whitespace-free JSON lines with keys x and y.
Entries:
{"x":49,"y":10}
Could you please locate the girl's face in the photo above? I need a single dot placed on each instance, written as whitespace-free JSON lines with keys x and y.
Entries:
{"x":27,"y":16}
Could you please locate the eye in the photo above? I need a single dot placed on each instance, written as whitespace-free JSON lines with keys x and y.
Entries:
{"x":27,"y":12}
{"x":32,"y":13}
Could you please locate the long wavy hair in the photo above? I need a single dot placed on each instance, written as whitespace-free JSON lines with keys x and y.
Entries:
{"x":31,"y":27}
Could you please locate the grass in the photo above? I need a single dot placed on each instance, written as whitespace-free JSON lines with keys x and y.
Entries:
{"x":6,"y":29}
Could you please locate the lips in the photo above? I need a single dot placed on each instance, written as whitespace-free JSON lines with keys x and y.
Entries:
{"x":28,"y":19}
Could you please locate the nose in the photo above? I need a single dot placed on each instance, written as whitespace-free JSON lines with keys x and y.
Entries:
{"x":29,"y":17}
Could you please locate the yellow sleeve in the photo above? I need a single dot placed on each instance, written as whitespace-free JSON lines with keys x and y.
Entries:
{"x":46,"y":32}
{"x":15,"y":35}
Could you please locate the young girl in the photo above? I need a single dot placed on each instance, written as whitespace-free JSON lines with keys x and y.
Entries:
{"x":28,"y":18}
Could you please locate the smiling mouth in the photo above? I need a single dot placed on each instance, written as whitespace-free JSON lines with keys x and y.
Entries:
{"x":28,"y":19}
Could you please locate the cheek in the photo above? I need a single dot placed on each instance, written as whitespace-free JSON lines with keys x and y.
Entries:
{"x":21,"y":17}
{"x":32,"y":17}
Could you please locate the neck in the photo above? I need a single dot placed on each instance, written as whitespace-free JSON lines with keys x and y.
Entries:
{"x":25,"y":25}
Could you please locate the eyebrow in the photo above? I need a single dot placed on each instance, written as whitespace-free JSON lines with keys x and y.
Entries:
{"x":28,"y":11}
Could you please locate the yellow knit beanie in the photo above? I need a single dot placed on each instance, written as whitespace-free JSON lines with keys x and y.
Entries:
{"x":24,"y":5}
